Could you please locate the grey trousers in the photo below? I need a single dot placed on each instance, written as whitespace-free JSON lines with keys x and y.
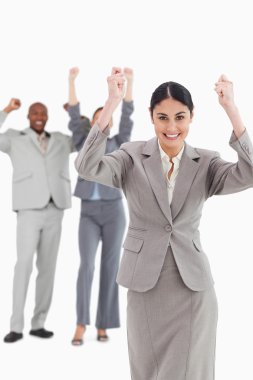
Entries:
{"x":172,"y":329}
{"x":37,"y":231}
{"x":105,"y":221}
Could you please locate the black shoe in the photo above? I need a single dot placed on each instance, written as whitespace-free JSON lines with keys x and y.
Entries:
{"x":77,"y":342}
{"x":102,"y":338}
{"x":41,"y":333}
{"x":12,"y":337}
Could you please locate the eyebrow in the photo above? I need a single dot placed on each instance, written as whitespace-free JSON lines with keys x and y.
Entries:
{"x":165,"y":114}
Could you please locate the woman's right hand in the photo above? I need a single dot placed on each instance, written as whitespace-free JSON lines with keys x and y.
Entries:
{"x":116,"y":86}
{"x":116,"y":92}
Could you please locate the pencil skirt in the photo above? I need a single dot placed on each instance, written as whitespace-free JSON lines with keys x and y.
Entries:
{"x":171,"y":329}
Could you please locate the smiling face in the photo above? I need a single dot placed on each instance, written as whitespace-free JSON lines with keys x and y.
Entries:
{"x":171,"y":120}
{"x":38,"y":117}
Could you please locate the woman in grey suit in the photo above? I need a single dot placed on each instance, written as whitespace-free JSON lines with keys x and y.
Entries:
{"x":172,"y":307}
{"x":102,"y":219}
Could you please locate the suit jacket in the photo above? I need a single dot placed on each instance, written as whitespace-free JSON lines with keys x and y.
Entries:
{"x":80,"y":129}
{"x":38,"y":176}
{"x":154,"y":225}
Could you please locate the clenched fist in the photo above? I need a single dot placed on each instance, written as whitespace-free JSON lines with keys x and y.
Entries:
{"x":224,"y":88}
{"x":73,"y":72}
{"x":13,"y":105}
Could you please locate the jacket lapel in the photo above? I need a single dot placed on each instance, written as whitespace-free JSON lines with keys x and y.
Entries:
{"x":188,"y":168}
{"x":33,"y":137}
{"x":153,"y":168}
{"x":35,"y":140}
{"x":50,"y":141}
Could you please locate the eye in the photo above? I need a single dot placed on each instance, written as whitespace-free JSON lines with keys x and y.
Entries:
{"x":162,"y":118}
{"x":180,"y":117}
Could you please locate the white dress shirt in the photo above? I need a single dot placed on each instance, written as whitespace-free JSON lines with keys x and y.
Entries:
{"x":166,"y":166}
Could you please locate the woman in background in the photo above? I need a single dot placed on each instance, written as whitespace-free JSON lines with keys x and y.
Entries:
{"x":102,"y":219}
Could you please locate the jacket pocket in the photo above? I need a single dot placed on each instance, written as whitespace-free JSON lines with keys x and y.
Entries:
{"x":22,"y":176}
{"x":133,"y":244}
{"x":65,"y":176}
{"x":137,"y":228}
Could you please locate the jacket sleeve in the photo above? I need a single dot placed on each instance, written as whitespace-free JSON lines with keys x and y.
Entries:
{"x":5,"y":138}
{"x":126,"y":124}
{"x":93,"y":165}
{"x":227,"y":177}
{"x":79,"y":127}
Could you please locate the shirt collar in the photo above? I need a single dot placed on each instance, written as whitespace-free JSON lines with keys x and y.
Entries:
{"x":44,"y":134}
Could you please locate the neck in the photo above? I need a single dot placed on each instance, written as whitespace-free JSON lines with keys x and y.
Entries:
{"x":38,"y":132}
{"x":171,"y":152}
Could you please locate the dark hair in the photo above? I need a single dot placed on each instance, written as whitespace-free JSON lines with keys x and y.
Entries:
{"x":98,"y":109}
{"x":171,"y":90}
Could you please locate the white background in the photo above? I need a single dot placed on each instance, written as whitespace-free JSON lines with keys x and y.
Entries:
{"x":191,"y":42}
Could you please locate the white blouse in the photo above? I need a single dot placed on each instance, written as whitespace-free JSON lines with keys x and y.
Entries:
{"x":166,"y":165}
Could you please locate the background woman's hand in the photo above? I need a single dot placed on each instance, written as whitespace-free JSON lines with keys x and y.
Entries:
{"x":129,"y":74}
{"x":73,"y":72}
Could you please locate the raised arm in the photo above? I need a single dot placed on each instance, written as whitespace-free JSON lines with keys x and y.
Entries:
{"x":73,"y":73}
{"x":129,"y":75}
{"x":116,"y":91}
{"x":126,"y":123}
{"x":224,"y":89}
{"x":79,"y":127}
{"x":91,"y":162}
{"x":227,"y":177}
{"x":13,"y":105}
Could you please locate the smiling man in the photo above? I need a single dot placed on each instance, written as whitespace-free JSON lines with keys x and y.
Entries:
{"x":41,"y":191}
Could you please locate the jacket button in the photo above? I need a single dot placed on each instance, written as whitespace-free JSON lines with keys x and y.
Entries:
{"x":168,"y":228}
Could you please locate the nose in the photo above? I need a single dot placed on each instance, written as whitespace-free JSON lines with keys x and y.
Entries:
{"x":170,"y":125}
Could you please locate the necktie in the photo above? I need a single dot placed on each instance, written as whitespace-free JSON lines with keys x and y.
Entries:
{"x":43,"y":142}
{"x":171,"y":169}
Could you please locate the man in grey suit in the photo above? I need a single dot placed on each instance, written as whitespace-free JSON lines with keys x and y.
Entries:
{"x":102,"y":218}
{"x":41,"y":191}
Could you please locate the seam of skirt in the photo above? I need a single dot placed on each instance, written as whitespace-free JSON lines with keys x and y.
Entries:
{"x":214,"y":360}
{"x":129,"y":356}
{"x":190,"y":341}
{"x":150,"y":337}
{"x":214,"y":354}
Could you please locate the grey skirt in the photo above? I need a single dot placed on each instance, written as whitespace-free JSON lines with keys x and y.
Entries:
{"x":171,"y":329}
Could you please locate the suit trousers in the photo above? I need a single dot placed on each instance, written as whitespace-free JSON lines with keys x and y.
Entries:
{"x":171,"y":329}
{"x":38,"y":230}
{"x":100,"y":220}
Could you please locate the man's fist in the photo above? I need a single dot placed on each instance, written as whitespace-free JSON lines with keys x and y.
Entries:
{"x":13,"y":105}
